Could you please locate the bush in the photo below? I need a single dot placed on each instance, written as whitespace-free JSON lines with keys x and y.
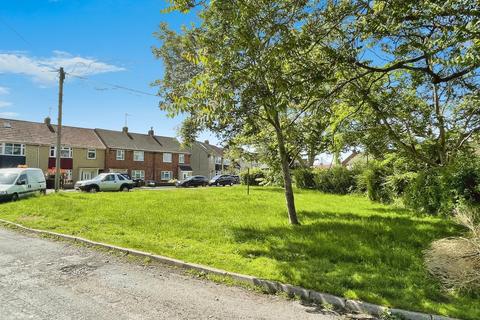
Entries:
{"x":304,"y":178}
{"x":255,"y":178}
{"x":463,"y":179}
{"x":338,"y":180}
{"x":373,"y":180}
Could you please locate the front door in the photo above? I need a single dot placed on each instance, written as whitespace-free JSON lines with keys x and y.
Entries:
{"x":87,"y":174}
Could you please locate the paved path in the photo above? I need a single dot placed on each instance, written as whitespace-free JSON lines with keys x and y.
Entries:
{"x":46,"y":279}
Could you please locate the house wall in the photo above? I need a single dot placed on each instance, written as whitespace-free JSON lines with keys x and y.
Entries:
{"x":37,"y":156}
{"x":80,"y":161}
{"x":152,"y":165}
{"x":200,"y":161}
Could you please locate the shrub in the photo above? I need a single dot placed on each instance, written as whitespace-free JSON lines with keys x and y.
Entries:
{"x":373,"y":180}
{"x":339,"y":180}
{"x":304,"y":178}
{"x":428,"y":193}
{"x":254,"y":178}
{"x":463,"y":179}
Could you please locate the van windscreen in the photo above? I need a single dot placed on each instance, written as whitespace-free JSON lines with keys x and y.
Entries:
{"x":8,"y":178}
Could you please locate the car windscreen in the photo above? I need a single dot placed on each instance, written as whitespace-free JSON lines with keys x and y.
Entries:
{"x":216,"y":177}
{"x":8,"y":178}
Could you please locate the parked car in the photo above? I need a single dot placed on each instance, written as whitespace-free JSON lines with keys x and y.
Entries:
{"x":105,"y":182}
{"x":236,"y":178}
{"x":222,"y":180}
{"x":193,"y":181}
{"x":18,"y":183}
{"x":150,"y":183}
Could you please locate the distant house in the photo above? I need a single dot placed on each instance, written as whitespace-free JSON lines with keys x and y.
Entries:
{"x":208,"y":160}
{"x":145,"y":156}
{"x":354,"y":158}
{"x":34,"y":144}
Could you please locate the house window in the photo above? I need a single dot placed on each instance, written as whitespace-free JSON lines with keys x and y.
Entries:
{"x":138,"y":155}
{"x":181,"y":158}
{"x":65,"y":152}
{"x":166,"y":175}
{"x":167,"y":157}
{"x":91,"y":154}
{"x":12,"y":149}
{"x":218,"y":160}
{"x":67,"y":174}
{"x":120,"y":154}
{"x":138,"y":174}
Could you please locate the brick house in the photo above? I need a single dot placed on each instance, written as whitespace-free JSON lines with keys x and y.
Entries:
{"x":145,"y":156}
{"x":33,"y":144}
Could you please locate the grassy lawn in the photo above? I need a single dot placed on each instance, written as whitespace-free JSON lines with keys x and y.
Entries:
{"x":346,"y":245}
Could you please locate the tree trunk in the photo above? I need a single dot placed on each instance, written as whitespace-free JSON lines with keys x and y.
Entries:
{"x":441,"y":126}
{"x":292,"y":213}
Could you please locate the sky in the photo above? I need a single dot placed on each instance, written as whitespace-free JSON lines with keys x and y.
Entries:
{"x":105,"y":42}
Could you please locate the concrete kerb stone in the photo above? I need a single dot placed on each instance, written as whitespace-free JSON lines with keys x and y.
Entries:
{"x":267,"y":285}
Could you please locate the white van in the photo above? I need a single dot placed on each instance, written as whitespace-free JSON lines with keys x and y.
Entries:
{"x":17,"y":183}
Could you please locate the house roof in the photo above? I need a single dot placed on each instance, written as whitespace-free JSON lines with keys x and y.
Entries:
{"x":38,"y":133}
{"x":137,"y":141}
{"x":211,"y":149}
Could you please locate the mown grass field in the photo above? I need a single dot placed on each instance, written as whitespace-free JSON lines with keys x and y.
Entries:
{"x":346,"y":245}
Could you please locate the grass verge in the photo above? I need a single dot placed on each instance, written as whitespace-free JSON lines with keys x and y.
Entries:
{"x":346,"y":245}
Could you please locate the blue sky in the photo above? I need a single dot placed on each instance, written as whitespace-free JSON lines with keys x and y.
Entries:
{"x":107,"y":41}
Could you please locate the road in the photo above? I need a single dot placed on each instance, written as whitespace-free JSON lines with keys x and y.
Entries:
{"x":47,"y":279}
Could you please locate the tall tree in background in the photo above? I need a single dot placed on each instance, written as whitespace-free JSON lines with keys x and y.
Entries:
{"x":249,"y":68}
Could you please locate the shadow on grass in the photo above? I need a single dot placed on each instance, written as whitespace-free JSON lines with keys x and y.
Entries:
{"x":375,"y":258}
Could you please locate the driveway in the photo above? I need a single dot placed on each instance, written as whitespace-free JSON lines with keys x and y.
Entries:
{"x":46,"y":279}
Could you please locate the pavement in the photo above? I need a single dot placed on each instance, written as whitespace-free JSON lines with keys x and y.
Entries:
{"x":48,"y":279}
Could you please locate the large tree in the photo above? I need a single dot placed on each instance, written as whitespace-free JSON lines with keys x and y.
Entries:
{"x":250,"y":67}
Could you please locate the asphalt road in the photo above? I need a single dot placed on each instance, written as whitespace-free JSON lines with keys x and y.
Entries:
{"x":47,"y":279}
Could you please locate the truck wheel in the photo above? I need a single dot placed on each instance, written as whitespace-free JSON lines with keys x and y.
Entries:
{"x":14,"y":197}
{"x":124,"y":188}
{"x":93,"y":189}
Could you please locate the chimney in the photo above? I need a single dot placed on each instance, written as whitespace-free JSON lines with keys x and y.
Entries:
{"x":151,"y":133}
{"x":125,"y":130}
{"x":207,"y":142}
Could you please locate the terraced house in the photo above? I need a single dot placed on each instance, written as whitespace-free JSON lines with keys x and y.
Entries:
{"x":209,"y":160}
{"x":145,"y":156}
{"x":33,"y":144}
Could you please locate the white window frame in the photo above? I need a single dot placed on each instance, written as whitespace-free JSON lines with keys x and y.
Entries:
{"x":69,"y":150}
{"x":121,"y":153}
{"x":138,"y":155}
{"x":94,"y":151}
{"x":138,"y":174}
{"x":68,"y":175}
{"x":167,"y":160}
{"x":3,"y":148}
{"x":218,"y":160}
{"x":162,"y":175}
{"x":181,"y":158}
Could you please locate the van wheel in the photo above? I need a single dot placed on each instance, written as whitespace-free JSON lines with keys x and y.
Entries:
{"x":93,"y":189}
{"x":124,"y":188}
{"x":14,"y":197}
{"x":43,"y":192}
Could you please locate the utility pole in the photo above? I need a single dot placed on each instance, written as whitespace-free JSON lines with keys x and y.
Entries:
{"x":59,"y":130}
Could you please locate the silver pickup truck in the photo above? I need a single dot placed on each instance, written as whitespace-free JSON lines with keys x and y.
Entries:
{"x":105,"y":182}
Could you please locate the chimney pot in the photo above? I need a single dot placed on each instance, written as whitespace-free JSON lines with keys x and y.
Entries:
{"x":125,"y":129}
{"x":151,"y":132}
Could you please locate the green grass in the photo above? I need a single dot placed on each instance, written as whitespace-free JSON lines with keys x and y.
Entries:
{"x":346,"y":245}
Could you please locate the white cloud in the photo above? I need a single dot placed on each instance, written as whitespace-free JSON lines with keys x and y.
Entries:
{"x":4,"y":90}
{"x":8,"y":114}
{"x":4,"y":104}
{"x":44,"y":70}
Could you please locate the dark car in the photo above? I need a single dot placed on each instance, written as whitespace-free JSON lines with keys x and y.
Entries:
{"x":193,"y":181}
{"x":236,"y":178}
{"x":222,"y":180}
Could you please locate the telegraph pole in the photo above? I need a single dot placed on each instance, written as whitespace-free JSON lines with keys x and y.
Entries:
{"x":59,"y":130}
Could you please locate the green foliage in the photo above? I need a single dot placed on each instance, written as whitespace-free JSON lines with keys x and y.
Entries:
{"x":463,"y":178}
{"x":337,"y":180}
{"x":373,"y":179}
{"x":346,"y":245}
{"x":304,"y":178}
{"x":254,"y":177}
